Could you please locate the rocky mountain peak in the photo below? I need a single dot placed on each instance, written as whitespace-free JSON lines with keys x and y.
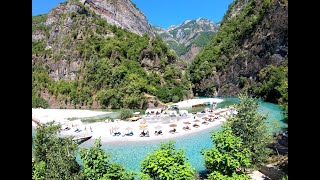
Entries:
{"x":122,"y":13}
{"x":187,"y":38}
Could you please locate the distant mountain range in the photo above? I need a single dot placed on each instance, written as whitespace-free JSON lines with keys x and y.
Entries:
{"x":188,"y":38}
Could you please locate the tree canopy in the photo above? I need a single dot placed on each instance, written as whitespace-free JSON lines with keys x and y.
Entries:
{"x":97,"y":165}
{"x":228,"y":158}
{"x":249,"y":125}
{"x":166,"y":163}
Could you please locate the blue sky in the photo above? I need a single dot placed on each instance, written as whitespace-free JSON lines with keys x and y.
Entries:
{"x":162,"y":13}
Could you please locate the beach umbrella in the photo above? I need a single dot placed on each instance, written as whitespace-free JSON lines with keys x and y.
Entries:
{"x":186,"y":122}
{"x":196,"y":120}
{"x":158,"y":127}
{"x":211,"y":115}
{"x":128,"y":128}
{"x":173,"y":125}
{"x":115,"y":127}
{"x":143,"y":125}
{"x":143,"y":122}
{"x":205,"y":118}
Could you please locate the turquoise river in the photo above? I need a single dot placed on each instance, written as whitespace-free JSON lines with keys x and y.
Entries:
{"x":132,"y":153}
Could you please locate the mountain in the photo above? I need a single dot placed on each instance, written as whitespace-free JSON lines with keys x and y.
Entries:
{"x":83,"y":58}
{"x":188,"y":38}
{"x":122,"y":13}
{"x":249,"y":53}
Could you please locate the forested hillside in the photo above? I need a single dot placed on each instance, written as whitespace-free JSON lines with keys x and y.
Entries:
{"x":81,"y":61}
{"x":249,"y":53}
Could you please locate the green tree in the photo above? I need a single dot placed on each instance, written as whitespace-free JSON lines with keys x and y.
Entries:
{"x":228,"y":157}
{"x":54,"y":157}
{"x":97,"y":165}
{"x":39,"y":170}
{"x":249,"y":125}
{"x":274,"y":85}
{"x":166,"y":163}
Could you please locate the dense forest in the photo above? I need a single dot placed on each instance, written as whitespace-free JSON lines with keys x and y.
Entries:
{"x":117,"y":66}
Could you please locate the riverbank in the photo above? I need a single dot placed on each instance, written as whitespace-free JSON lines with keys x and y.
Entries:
{"x":106,"y":130}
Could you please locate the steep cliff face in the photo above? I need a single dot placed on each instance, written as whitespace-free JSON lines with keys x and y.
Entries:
{"x":188,"y":38}
{"x":122,"y":13}
{"x":81,"y":60}
{"x":252,"y":36}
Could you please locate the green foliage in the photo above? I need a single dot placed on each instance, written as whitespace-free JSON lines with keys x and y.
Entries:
{"x":231,"y":33}
{"x":125,"y":114}
{"x":203,"y":39}
{"x":97,"y":165}
{"x":38,"y":23}
{"x":274,"y":85}
{"x":166,"y":163}
{"x":228,"y":157}
{"x":39,"y":170}
{"x":54,"y":157}
{"x":249,"y":125}
{"x":39,"y":102}
{"x":112,"y":73}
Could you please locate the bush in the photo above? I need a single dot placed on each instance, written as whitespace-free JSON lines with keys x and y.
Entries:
{"x":38,"y":102}
{"x":125,"y":113}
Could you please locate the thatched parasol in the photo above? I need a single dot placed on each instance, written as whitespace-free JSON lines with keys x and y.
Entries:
{"x":173,"y":125}
{"x":128,"y":128}
{"x":196,"y":120}
{"x":186,"y":122}
{"x":205,"y":118}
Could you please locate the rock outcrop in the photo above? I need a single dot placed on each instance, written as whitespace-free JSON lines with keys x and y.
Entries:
{"x":263,"y":41}
{"x":122,"y":13}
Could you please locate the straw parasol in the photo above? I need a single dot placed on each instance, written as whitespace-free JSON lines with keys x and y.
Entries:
{"x":143,"y":126}
{"x":205,"y":118}
{"x":186,"y":122}
{"x":158,"y":127}
{"x":211,"y":115}
{"x":173,"y":125}
{"x":128,"y":128}
{"x":196,"y":120}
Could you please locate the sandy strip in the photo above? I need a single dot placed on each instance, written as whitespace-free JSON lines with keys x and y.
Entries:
{"x":105,"y":129}
{"x":61,"y":115}
{"x":191,"y":102}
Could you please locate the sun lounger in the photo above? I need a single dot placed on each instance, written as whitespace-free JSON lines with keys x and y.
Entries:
{"x":128,"y":134}
{"x":186,"y":128}
{"x":117,"y":134}
{"x":196,"y":125}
